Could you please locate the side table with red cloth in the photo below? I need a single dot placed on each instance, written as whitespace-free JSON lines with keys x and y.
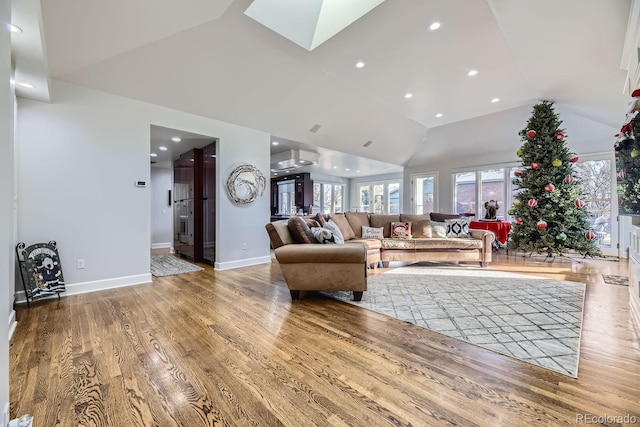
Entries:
{"x":500,"y":228}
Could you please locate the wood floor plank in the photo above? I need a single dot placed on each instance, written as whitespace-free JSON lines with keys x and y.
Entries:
{"x":230,"y":348}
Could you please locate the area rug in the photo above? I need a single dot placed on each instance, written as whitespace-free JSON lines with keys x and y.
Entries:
{"x":168,"y":265}
{"x":611,"y":279}
{"x":534,"y":319}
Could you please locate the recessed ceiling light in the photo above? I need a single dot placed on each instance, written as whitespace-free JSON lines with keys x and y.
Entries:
{"x":335,"y":167}
{"x":439,"y":115}
{"x":472,"y":73}
{"x":275,"y":143}
{"x":408,"y":95}
{"x":281,"y":162}
{"x":295,"y":165}
{"x":162,"y":148}
{"x":360,"y":64}
{"x":494,"y":100}
{"x":176,"y":139}
{"x":153,"y":155}
{"x":15,"y":28}
{"x":357,"y":171}
{"x":434,"y":26}
{"x":276,"y":173}
{"x":25,"y":85}
{"x":286,"y":171}
{"x":347,"y":169}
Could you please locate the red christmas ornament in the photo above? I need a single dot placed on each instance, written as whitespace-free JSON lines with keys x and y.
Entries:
{"x":590,"y":235}
{"x":518,"y":221}
{"x":621,"y":174}
{"x":531,"y":133}
{"x":518,"y":173}
{"x":617,"y":154}
{"x":568,"y":179}
{"x":542,"y":224}
{"x":535,"y":165}
{"x":549,"y":188}
{"x":559,"y":136}
{"x":532,"y":203}
{"x":574,"y":159}
{"x":578,"y":203}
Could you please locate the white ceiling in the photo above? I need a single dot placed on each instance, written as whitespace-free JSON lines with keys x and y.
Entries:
{"x":209,"y":58}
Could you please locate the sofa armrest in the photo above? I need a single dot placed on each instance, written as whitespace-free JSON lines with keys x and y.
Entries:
{"x":316,"y":253}
{"x":486,"y":235}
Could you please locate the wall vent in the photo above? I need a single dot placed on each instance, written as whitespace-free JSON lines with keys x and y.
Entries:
{"x":315,"y":128}
{"x":368,"y":143}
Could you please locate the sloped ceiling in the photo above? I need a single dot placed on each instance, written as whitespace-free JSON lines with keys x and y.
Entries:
{"x":209,"y":58}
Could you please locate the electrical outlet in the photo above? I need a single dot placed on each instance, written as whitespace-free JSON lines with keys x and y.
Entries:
{"x":80,"y":264}
{"x":244,"y":246}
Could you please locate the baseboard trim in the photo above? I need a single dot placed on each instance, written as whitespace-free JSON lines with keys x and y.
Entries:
{"x":12,"y":323}
{"x":242,"y":263}
{"x":635,"y":311}
{"x":165,"y":245}
{"x":96,"y":285}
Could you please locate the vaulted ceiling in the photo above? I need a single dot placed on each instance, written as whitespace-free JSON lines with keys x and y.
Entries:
{"x":209,"y":58}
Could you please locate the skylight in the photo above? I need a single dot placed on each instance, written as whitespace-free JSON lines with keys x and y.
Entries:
{"x":309,"y":23}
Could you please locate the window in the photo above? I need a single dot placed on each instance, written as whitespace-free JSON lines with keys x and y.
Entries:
{"x":473,"y":188}
{"x":286,"y":198}
{"x":464,"y":193}
{"x":380,"y":197}
{"x":424,"y":193}
{"x":596,"y":182}
{"x":327,"y":198}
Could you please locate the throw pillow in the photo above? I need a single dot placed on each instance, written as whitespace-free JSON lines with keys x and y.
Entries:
{"x":372,"y":232}
{"x":300,"y":231}
{"x":401,"y":230}
{"x":337,"y":234}
{"x":457,"y":227}
{"x":439,"y":229}
{"x":343,"y":225}
{"x":323,"y":235}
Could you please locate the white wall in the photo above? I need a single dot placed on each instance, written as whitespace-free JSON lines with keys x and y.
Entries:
{"x":161,"y":212}
{"x":7,"y":216}
{"x":79,"y":159}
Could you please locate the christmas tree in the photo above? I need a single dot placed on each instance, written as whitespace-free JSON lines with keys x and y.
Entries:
{"x":627,"y":161}
{"x":549,"y":213}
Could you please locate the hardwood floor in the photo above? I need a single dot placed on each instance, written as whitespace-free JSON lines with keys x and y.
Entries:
{"x":230,"y":348}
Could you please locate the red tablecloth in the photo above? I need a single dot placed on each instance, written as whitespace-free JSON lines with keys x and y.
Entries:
{"x":500,"y":228}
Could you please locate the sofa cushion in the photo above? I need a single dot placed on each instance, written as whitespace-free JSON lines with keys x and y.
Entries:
{"x":393,"y":243}
{"x":279,"y":234}
{"x":384,"y":221}
{"x":300,"y":231}
{"x":369,"y":243}
{"x":420,"y":224}
{"x":457,"y":227}
{"x":440,"y":243}
{"x":401,"y":230}
{"x":440,"y":217}
{"x":357,"y":220}
{"x":343,"y":225}
{"x":371,"y":232}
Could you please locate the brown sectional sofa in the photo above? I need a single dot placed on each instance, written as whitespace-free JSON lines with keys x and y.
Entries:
{"x":307,"y":265}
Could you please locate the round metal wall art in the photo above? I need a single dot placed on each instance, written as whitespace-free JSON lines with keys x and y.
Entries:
{"x":245,"y":183}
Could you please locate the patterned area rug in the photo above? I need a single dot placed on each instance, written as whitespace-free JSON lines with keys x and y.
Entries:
{"x":168,"y":265}
{"x":611,"y":279}
{"x":534,"y":319}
